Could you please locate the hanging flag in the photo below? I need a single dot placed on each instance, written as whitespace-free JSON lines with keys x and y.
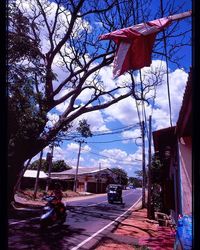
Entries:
{"x":135,"y":43}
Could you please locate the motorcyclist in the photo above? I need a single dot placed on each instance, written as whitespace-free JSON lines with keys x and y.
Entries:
{"x":59,"y":205}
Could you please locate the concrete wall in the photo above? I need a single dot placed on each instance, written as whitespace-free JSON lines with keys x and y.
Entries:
{"x":185,"y":156}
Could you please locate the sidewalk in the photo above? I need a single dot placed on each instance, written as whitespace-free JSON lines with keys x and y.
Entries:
{"x":135,"y":232}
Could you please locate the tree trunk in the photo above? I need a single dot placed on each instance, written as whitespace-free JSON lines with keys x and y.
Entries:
{"x":17,"y":155}
{"x":13,"y":175}
{"x":17,"y":186}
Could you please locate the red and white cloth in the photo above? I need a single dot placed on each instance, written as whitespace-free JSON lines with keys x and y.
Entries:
{"x":135,"y":45}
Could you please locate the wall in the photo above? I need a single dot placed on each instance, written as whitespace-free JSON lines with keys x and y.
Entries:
{"x":185,"y":157}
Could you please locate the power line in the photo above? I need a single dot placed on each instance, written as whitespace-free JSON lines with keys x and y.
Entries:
{"x":112,"y":132}
{"x":116,"y":131}
{"x":126,"y":139}
{"x":108,"y":157}
{"x":166,"y":59}
{"x":102,"y":142}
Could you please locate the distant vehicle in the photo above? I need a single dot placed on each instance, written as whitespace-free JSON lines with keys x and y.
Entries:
{"x":114,"y":193}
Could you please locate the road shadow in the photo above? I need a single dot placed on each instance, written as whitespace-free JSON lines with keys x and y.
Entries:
{"x":106,"y":211}
{"x":29,"y":236}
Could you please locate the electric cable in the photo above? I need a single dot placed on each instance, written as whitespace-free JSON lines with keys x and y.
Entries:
{"x":167,"y":69}
{"x":110,"y":158}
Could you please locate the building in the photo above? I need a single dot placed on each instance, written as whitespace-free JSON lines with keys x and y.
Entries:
{"x":174,"y":147}
{"x":93,"y":180}
{"x":29,"y":177}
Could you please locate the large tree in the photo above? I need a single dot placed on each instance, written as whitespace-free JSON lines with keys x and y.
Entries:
{"x":122,"y":175}
{"x":57,"y":166}
{"x":54,"y":57}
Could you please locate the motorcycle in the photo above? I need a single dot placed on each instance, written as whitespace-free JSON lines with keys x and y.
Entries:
{"x":54,"y":212}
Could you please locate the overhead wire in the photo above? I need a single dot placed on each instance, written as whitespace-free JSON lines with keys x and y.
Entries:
{"x":112,"y":132}
{"x":96,"y":142}
{"x":167,"y":68}
{"x":143,"y":106}
{"x":125,"y":139}
{"x":110,"y":158}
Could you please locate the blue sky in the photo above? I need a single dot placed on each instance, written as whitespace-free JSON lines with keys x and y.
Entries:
{"x":116,"y":133}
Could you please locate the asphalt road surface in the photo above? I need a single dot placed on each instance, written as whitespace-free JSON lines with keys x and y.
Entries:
{"x":87,"y":222}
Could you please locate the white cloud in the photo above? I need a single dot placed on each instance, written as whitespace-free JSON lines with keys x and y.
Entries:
{"x":62,"y":106}
{"x":95,"y":120}
{"x":177,"y":83}
{"x":53,"y":118}
{"x":160,"y":119}
{"x":138,"y":154}
{"x":107,"y":77}
{"x":124,"y":111}
{"x":136,"y":133}
{"x":69,"y":153}
{"x":74,"y":147}
{"x":116,"y":154}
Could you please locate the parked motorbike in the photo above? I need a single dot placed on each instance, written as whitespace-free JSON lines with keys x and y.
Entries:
{"x":54,"y":212}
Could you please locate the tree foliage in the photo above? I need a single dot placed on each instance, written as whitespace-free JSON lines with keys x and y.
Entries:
{"x":57,"y":166}
{"x":84,"y":128}
{"x":139,"y":174}
{"x":157,"y":170}
{"x":157,"y":176}
{"x":135,"y":181}
{"x":122,"y":175}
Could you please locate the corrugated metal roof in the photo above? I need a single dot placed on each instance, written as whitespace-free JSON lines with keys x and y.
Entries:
{"x":33,"y":174}
{"x":81,"y":170}
{"x":184,"y":123}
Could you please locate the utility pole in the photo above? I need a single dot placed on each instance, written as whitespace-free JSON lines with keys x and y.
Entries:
{"x":100,"y":178}
{"x":17,"y":186}
{"x":143,"y":166}
{"x":150,"y":208}
{"x":49,"y":160}
{"x":77,"y":165}
{"x":37,"y":177}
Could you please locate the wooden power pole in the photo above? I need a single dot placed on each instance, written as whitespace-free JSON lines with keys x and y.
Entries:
{"x":38,"y":176}
{"x":49,"y":160}
{"x":77,"y":165}
{"x":143,"y":167}
{"x":150,"y":206}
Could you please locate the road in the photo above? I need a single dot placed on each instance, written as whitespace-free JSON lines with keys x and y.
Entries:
{"x":87,"y":222}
